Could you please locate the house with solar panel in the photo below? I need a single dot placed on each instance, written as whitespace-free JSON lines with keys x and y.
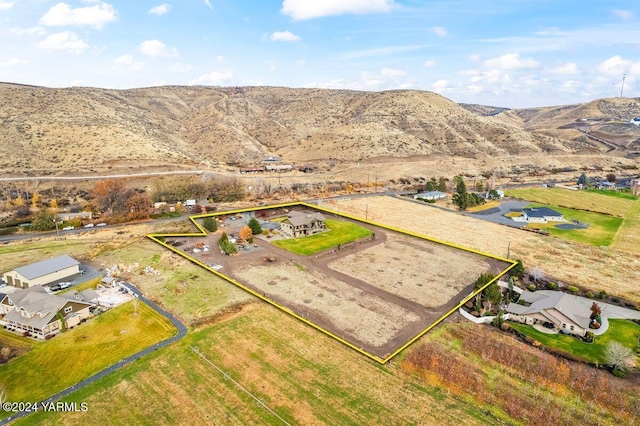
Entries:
{"x":42,"y":273}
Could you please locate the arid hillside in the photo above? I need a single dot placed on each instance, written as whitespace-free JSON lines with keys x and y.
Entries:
{"x":603,"y":123}
{"x":52,"y":131}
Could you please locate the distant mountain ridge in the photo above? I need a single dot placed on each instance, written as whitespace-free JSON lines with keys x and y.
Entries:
{"x":47,"y":130}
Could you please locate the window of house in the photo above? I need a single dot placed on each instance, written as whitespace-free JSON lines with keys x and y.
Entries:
{"x":68,"y":309}
{"x":572,"y":328}
{"x":564,"y":325}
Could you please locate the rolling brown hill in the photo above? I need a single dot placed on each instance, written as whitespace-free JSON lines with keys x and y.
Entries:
{"x":52,"y":131}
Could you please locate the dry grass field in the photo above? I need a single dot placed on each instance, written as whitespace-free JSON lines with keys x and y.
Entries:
{"x":614,"y":271}
{"x":305,"y":377}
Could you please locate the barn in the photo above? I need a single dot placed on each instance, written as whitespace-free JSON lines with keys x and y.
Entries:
{"x":43,"y":272}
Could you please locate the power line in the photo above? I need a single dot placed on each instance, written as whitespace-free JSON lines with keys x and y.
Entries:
{"x":227,"y":376}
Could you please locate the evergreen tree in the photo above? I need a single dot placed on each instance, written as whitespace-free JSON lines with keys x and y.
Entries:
{"x":210,"y":224}
{"x":256,"y":229}
{"x":44,"y":221}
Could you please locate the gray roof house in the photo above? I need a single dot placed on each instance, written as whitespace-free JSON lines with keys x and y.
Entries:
{"x":300,"y":224}
{"x":41,"y":314}
{"x":43,"y":272}
{"x":542,"y":215}
{"x":558,"y":308}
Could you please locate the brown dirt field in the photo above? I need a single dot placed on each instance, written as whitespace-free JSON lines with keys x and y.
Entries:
{"x":614,"y":271}
{"x":362,"y":317}
{"x":421,"y":271}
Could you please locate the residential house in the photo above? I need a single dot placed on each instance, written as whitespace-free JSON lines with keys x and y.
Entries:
{"x":542,"y":215}
{"x":300,"y":224}
{"x":278,"y":167}
{"x":41,"y":314}
{"x":44,"y":272}
{"x":431,"y":195}
{"x":560,"y":309}
{"x":605,"y":185}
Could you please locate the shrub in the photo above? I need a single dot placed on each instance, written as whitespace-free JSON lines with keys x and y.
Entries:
{"x":573,"y":289}
{"x":210,"y":224}
{"x":619,"y":373}
{"x":589,"y":295}
{"x":505,"y":326}
{"x":589,"y":337}
{"x":551,"y":285}
{"x":531,"y":287}
{"x":602,"y":294}
{"x":615,"y":299}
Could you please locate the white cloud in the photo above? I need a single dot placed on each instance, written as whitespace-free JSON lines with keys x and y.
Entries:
{"x":511,"y":61}
{"x":65,"y":40}
{"x":390,"y":72}
{"x":380,"y":51}
{"x":208,"y":3}
{"x":219,"y":59}
{"x":94,"y":16}
{"x":124,"y":60}
{"x":156,"y":48}
{"x":309,"y":9}
{"x":160,"y":10}
{"x":13,"y":62}
{"x":615,"y":66}
{"x":570,"y":68}
{"x":214,"y":79}
{"x":429,"y":64}
{"x":301,"y":62}
{"x":440,"y":86}
{"x":439,"y":31}
{"x":33,"y":31}
{"x":474,"y":57}
{"x":625,"y":15}
{"x":178,"y":67}
{"x":284,"y":36}
{"x":6,"y":5}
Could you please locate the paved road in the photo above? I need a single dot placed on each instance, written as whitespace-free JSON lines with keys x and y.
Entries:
{"x":496,"y":215}
{"x":182,"y":331}
{"x":98,"y":177}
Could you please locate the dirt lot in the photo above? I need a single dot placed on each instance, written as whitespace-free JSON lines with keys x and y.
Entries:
{"x":418,"y":270}
{"x":379,"y":309}
{"x":614,"y":271}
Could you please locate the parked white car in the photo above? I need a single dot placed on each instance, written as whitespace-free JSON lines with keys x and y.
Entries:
{"x":68,"y":228}
{"x":101,"y":224}
{"x":89,"y":225}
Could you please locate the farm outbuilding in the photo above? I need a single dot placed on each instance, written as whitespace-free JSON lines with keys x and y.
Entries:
{"x":43,"y":273}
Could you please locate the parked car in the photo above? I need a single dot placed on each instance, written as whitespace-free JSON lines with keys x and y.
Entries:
{"x":68,"y":228}
{"x":55,"y":287}
{"x":89,"y":225}
{"x":101,"y":224}
{"x":64,"y":285}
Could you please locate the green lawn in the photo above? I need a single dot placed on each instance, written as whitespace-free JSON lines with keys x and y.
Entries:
{"x":341,"y":232}
{"x":55,"y":364}
{"x":601,"y":231}
{"x":622,"y":331}
{"x":616,"y":194}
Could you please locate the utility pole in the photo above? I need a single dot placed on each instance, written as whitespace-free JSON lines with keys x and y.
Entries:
{"x":57,"y":231}
{"x":622,"y":88}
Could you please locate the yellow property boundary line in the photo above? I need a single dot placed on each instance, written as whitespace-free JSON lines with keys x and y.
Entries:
{"x":158,"y":239}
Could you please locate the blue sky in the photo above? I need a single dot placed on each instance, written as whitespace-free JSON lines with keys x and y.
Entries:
{"x":514,"y":53}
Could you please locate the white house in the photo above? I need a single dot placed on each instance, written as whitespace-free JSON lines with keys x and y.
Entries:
{"x":44,"y":272}
{"x":542,"y":215}
{"x":431,"y":195}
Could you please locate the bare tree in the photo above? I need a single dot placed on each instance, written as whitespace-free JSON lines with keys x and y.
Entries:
{"x":618,"y":356}
{"x":536,"y":273}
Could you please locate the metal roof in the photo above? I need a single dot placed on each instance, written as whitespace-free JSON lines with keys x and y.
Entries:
{"x":541,"y":212}
{"x":46,"y":267}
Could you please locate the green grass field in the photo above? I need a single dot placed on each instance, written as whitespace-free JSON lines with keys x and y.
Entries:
{"x":622,"y":331}
{"x":55,"y":364}
{"x":616,"y":194}
{"x":341,"y":232}
{"x":581,"y":200}
{"x":601,"y":231}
